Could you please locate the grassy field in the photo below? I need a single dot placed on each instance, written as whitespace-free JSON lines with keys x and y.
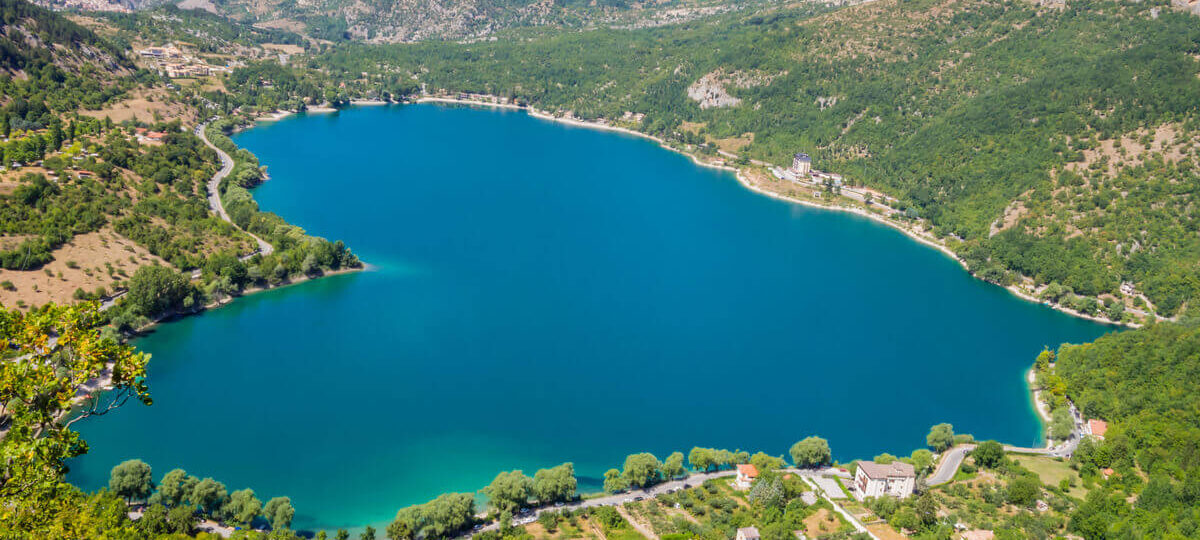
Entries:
{"x":1052,"y":471}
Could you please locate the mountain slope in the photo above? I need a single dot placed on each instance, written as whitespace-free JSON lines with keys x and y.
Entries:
{"x":414,"y":20}
{"x":31,"y":36}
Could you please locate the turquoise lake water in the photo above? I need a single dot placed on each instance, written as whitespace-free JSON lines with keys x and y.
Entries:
{"x":544,"y":293}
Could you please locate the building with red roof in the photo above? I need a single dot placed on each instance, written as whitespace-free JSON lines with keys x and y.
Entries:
{"x":746,"y":473}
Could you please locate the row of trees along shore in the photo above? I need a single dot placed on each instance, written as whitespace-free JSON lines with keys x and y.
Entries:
{"x":512,"y":491}
{"x":179,"y":500}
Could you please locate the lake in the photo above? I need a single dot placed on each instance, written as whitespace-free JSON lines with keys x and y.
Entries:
{"x":542,"y":293}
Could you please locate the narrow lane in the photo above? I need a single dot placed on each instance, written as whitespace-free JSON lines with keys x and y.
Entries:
{"x":214,"y":192}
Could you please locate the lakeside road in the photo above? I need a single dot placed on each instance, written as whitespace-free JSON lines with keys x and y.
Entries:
{"x":214,"y":191}
{"x":670,"y":486}
{"x":951,"y":459}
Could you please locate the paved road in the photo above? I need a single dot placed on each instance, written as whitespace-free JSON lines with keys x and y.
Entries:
{"x":948,"y":465}
{"x":649,"y":493}
{"x":214,"y":191}
{"x":952,"y":458}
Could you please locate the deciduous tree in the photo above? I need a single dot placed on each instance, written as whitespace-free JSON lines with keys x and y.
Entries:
{"x":509,"y":491}
{"x":641,"y":469}
{"x":940,"y":437}
{"x":279,"y":512}
{"x":131,"y":480}
{"x":811,"y":452}
{"x":555,"y":484}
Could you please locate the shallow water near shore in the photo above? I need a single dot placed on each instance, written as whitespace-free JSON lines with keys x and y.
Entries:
{"x":545,"y":293}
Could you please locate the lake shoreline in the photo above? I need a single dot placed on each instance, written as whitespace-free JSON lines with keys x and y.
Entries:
{"x":477,"y":239}
{"x":929,"y":241}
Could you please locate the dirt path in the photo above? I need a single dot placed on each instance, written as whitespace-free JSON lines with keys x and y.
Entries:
{"x":640,"y":527}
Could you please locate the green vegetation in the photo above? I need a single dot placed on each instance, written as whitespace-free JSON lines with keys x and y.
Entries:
{"x":941,"y":437}
{"x":439,"y":518}
{"x":811,"y":452}
{"x":1144,"y":383}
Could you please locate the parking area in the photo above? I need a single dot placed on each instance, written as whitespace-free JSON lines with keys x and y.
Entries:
{"x":830,"y":487}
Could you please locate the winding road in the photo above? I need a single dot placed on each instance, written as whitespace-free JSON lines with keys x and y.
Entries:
{"x":952,"y":458}
{"x":214,"y":192}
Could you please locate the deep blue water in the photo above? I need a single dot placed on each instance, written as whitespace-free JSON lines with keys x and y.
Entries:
{"x":543,"y":293}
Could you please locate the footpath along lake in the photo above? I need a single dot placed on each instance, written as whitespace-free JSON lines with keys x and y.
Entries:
{"x":545,"y":293}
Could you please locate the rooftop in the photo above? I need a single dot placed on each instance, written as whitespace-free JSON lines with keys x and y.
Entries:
{"x":891,"y":470}
{"x":748,"y":532}
{"x":746,"y":469}
{"x":1098,"y":427}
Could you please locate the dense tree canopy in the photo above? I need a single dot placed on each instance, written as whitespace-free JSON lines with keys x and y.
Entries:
{"x":811,"y":452}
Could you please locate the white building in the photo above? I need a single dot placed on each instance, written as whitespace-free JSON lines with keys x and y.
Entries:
{"x":746,"y":474}
{"x":801,"y":164}
{"x":895,"y":479}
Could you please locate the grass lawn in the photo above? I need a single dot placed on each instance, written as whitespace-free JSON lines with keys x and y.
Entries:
{"x":1051,"y":472}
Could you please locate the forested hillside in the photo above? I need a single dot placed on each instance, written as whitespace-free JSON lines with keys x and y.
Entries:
{"x":31,"y":36}
{"x":87,"y":202}
{"x":1145,"y":384}
{"x":1001,"y":122}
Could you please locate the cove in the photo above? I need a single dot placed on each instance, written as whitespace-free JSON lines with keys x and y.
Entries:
{"x":544,"y":293}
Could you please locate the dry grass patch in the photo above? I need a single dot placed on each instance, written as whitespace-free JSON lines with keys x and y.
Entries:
{"x":290,"y":25}
{"x":885,"y":532}
{"x":1131,"y":149}
{"x":286,"y":48}
{"x":822,"y":522}
{"x":734,"y":144}
{"x":143,"y":105}
{"x":81,"y":263}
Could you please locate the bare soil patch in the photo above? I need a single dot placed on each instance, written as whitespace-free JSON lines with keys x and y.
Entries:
{"x":283,"y":24}
{"x":885,"y":532}
{"x":143,"y":105}
{"x":819,"y":524}
{"x":286,"y":48}
{"x":82,"y":263}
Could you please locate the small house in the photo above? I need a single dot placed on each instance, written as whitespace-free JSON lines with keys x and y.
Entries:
{"x":1096,"y":428}
{"x":747,"y":533}
{"x":746,"y":473}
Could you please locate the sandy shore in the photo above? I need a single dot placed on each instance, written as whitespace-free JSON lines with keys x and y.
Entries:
{"x":918,"y":236}
{"x":277,"y":115}
{"x":1042,"y":409}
